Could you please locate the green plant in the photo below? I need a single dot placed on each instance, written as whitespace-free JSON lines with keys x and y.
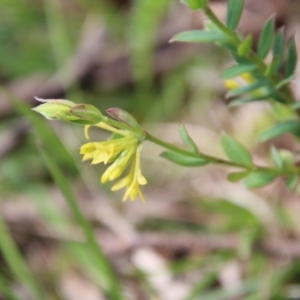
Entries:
{"x":258,"y":81}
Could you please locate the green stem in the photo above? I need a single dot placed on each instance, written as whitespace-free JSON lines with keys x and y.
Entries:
{"x":110,"y":282}
{"x":214,"y":19}
{"x":219,"y":161}
{"x":16,"y":262}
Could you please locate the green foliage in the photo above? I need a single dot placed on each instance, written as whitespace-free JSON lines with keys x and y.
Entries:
{"x":251,"y":88}
{"x":276,"y":158}
{"x":259,"y":179}
{"x":245,"y":47}
{"x":237,"y":70}
{"x":184,"y":160}
{"x":87,"y":113}
{"x":266,"y":39}
{"x":291,"y":59}
{"x":235,"y":151}
{"x":145,"y":20}
{"x":199,"y":36}
{"x":24,"y":28}
{"x":292,"y":127}
{"x":234,"y":13}
{"x":126,"y":118}
{"x":187,"y":139}
{"x":234,"y":177}
{"x":197,"y":4}
{"x":278,"y":49}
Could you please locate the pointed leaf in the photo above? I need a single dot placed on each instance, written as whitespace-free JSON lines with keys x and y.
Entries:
{"x":248,"y":88}
{"x":292,"y":127}
{"x":245,"y":47}
{"x":266,"y":39}
{"x":259,"y":179}
{"x":276,"y":157}
{"x":235,"y":177}
{"x":278,"y":49}
{"x":235,"y":151}
{"x":199,"y":36}
{"x":284,"y":82}
{"x":292,"y":181}
{"x":237,"y":70}
{"x":273,"y":66}
{"x":187,"y":139}
{"x":291,"y":59}
{"x":184,"y":160}
{"x":249,"y":99}
{"x":234,"y":13}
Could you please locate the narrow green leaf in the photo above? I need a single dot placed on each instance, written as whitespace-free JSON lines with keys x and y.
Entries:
{"x":291,"y":59}
{"x":245,"y":47}
{"x":248,"y":88}
{"x":273,"y":66}
{"x":6,"y":289}
{"x":199,"y":36}
{"x":237,"y":70}
{"x":292,"y":181}
{"x":278,"y":49}
{"x":284,"y":82}
{"x":184,"y":160}
{"x":266,"y":39}
{"x":197,"y":4}
{"x":292,"y":127}
{"x":187,"y":139}
{"x":235,"y":151}
{"x":259,"y":179}
{"x":276,"y":157}
{"x":234,"y":13}
{"x":237,"y":176}
{"x":249,"y":99}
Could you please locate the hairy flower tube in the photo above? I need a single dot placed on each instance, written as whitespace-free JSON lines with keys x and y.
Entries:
{"x":123,"y":153}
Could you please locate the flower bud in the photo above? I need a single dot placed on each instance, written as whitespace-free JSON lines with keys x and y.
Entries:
{"x":53,"y":109}
{"x":87,"y":113}
{"x":59,"y":109}
{"x":126,"y":118}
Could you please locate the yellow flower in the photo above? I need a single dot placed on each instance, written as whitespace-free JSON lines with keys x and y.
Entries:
{"x":124,"y":154}
{"x":243,"y":80}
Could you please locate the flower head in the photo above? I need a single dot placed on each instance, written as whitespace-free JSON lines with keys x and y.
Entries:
{"x":123,"y":153}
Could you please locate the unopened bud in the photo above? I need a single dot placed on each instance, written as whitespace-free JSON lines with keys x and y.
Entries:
{"x":55,"y":109}
{"x":59,"y":109}
{"x":126,"y":118}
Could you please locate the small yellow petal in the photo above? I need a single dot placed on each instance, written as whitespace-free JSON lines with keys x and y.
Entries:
{"x":87,"y":156}
{"x":141,"y":179}
{"x":99,"y":157}
{"x":142,"y":196}
{"x":87,"y":148}
{"x":231,"y":84}
{"x":247,"y":77}
{"x":120,"y":184}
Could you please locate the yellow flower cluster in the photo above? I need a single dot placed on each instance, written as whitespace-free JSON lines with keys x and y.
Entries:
{"x":123,"y":154}
{"x":244,"y":79}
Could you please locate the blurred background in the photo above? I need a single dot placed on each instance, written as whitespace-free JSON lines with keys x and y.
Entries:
{"x":197,"y":236}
